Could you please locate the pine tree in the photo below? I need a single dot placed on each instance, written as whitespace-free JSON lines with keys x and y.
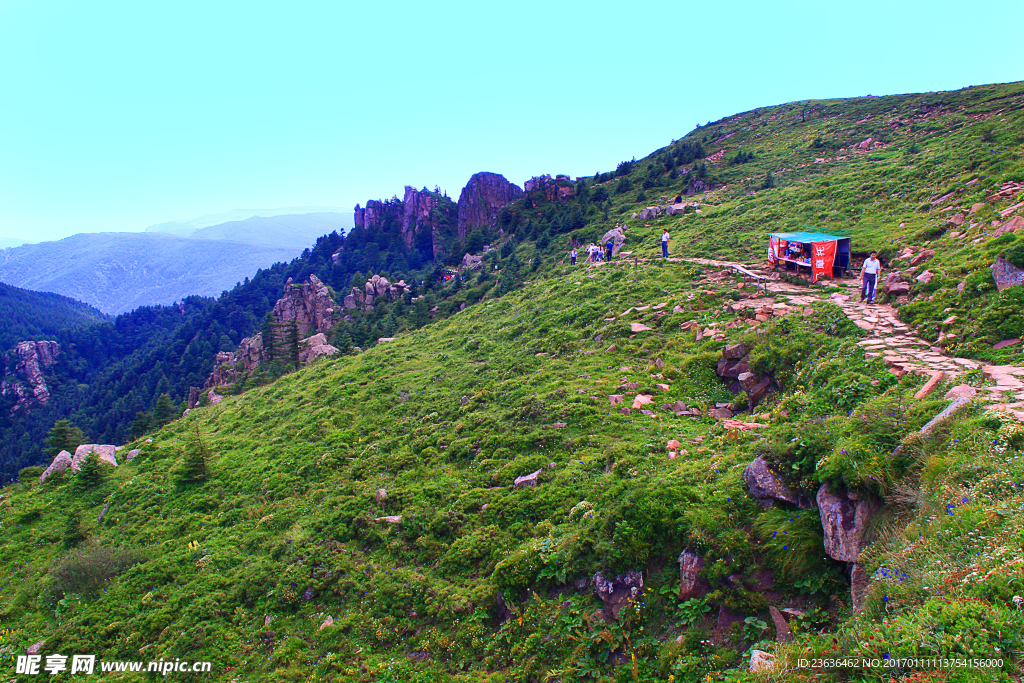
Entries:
{"x":267,"y":332}
{"x":63,"y":436}
{"x":91,"y":473}
{"x":142,"y":423}
{"x":73,"y":532}
{"x":769,"y":181}
{"x":194,"y":465}
{"x":511,"y":275}
{"x":293,"y":345}
{"x":164,"y":411}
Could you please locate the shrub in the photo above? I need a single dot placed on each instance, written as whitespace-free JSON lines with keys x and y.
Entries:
{"x":1014,"y":253}
{"x":29,"y":475}
{"x":85,"y":570}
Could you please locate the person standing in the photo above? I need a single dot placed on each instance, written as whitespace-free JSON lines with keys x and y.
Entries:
{"x":608,"y":247}
{"x":869,"y":274}
{"x":572,"y":257}
{"x":664,"y":242}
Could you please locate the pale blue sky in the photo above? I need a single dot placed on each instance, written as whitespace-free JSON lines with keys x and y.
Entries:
{"x":115,"y":115}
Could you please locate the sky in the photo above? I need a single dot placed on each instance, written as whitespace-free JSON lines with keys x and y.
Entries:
{"x":116,"y":115}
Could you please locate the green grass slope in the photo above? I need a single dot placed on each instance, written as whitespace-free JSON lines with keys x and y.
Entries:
{"x":245,"y":566}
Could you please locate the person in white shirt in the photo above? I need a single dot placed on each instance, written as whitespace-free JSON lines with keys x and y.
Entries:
{"x":572,"y":257}
{"x":869,"y":275}
{"x":664,"y":242}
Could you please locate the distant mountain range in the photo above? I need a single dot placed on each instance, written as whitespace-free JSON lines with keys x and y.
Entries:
{"x":188,"y":227}
{"x":120,"y":271}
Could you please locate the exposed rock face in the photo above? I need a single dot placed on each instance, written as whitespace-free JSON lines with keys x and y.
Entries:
{"x":60,"y":463}
{"x":416,"y":213}
{"x":844,"y":519}
{"x":23,"y":373}
{"x":1004,"y":273}
{"x":691,"y":585}
{"x":619,"y":593}
{"x":768,"y":488}
{"x":419,"y":212}
{"x":557,"y":189}
{"x":104,"y":453}
{"x":309,"y":306}
{"x":482,"y":199}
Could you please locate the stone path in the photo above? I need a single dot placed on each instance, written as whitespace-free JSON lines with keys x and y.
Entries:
{"x":892,"y":340}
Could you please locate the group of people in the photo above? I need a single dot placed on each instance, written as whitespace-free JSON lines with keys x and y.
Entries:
{"x":597,"y":252}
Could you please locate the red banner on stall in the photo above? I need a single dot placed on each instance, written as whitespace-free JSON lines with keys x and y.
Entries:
{"x":822,"y":257}
{"x":773,"y":250}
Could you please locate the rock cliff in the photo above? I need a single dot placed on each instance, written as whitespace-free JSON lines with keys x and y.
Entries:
{"x":482,"y":199}
{"x":308,"y":308}
{"x":418,"y":212}
{"x":23,"y":373}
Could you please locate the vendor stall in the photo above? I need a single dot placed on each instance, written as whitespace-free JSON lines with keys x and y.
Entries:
{"x":813,"y":253}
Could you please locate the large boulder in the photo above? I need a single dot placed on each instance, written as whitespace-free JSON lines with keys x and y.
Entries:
{"x":1006,"y":274}
{"x":104,"y":453}
{"x":691,"y":585}
{"x":314,"y":348}
{"x":921,"y":257}
{"x":617,"y":235}
{"x":619,"y":593}
{"x":61,"y":462}
{"x":844,"y":519}
{"x":768,"y":488}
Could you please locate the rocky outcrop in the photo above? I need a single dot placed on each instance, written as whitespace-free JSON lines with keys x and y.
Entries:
{"x":61,"y":462}
{"x":844,"y":519}
{"x":309,"y":306}
{"x":557,"y":189}
{"x":768,"y":488}
{"x":376,"y":288}
{"x":619,"y":593}
{"x":1006,"y":274}
{"x":482,"y":199}
{"x":104,"y":453}
{"x":418,"y":212}
{"x":735,"y":364}
{"x":23,"y":378}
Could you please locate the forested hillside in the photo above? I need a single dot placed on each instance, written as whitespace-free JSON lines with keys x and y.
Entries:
{"x":39,"y":315}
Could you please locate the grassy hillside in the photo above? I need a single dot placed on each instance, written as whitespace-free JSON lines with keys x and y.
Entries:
{"x":444,"y":420}
{"x":262,"y":534}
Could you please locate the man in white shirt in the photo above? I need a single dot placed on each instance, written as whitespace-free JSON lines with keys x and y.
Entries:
{"x":664,"y":242}
{"x":869,"y":275}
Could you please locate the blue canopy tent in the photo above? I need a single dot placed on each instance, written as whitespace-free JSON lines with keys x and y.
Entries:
{"x":815,"y":252}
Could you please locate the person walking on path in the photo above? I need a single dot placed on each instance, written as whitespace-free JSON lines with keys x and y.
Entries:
{"x":572,"y":257}
{"x":664,"y":242}
{"x":869,"y":274}
{"x":608,"y":247}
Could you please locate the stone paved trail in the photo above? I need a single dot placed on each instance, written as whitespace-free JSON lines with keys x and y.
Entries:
{"x":895,"y":342}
